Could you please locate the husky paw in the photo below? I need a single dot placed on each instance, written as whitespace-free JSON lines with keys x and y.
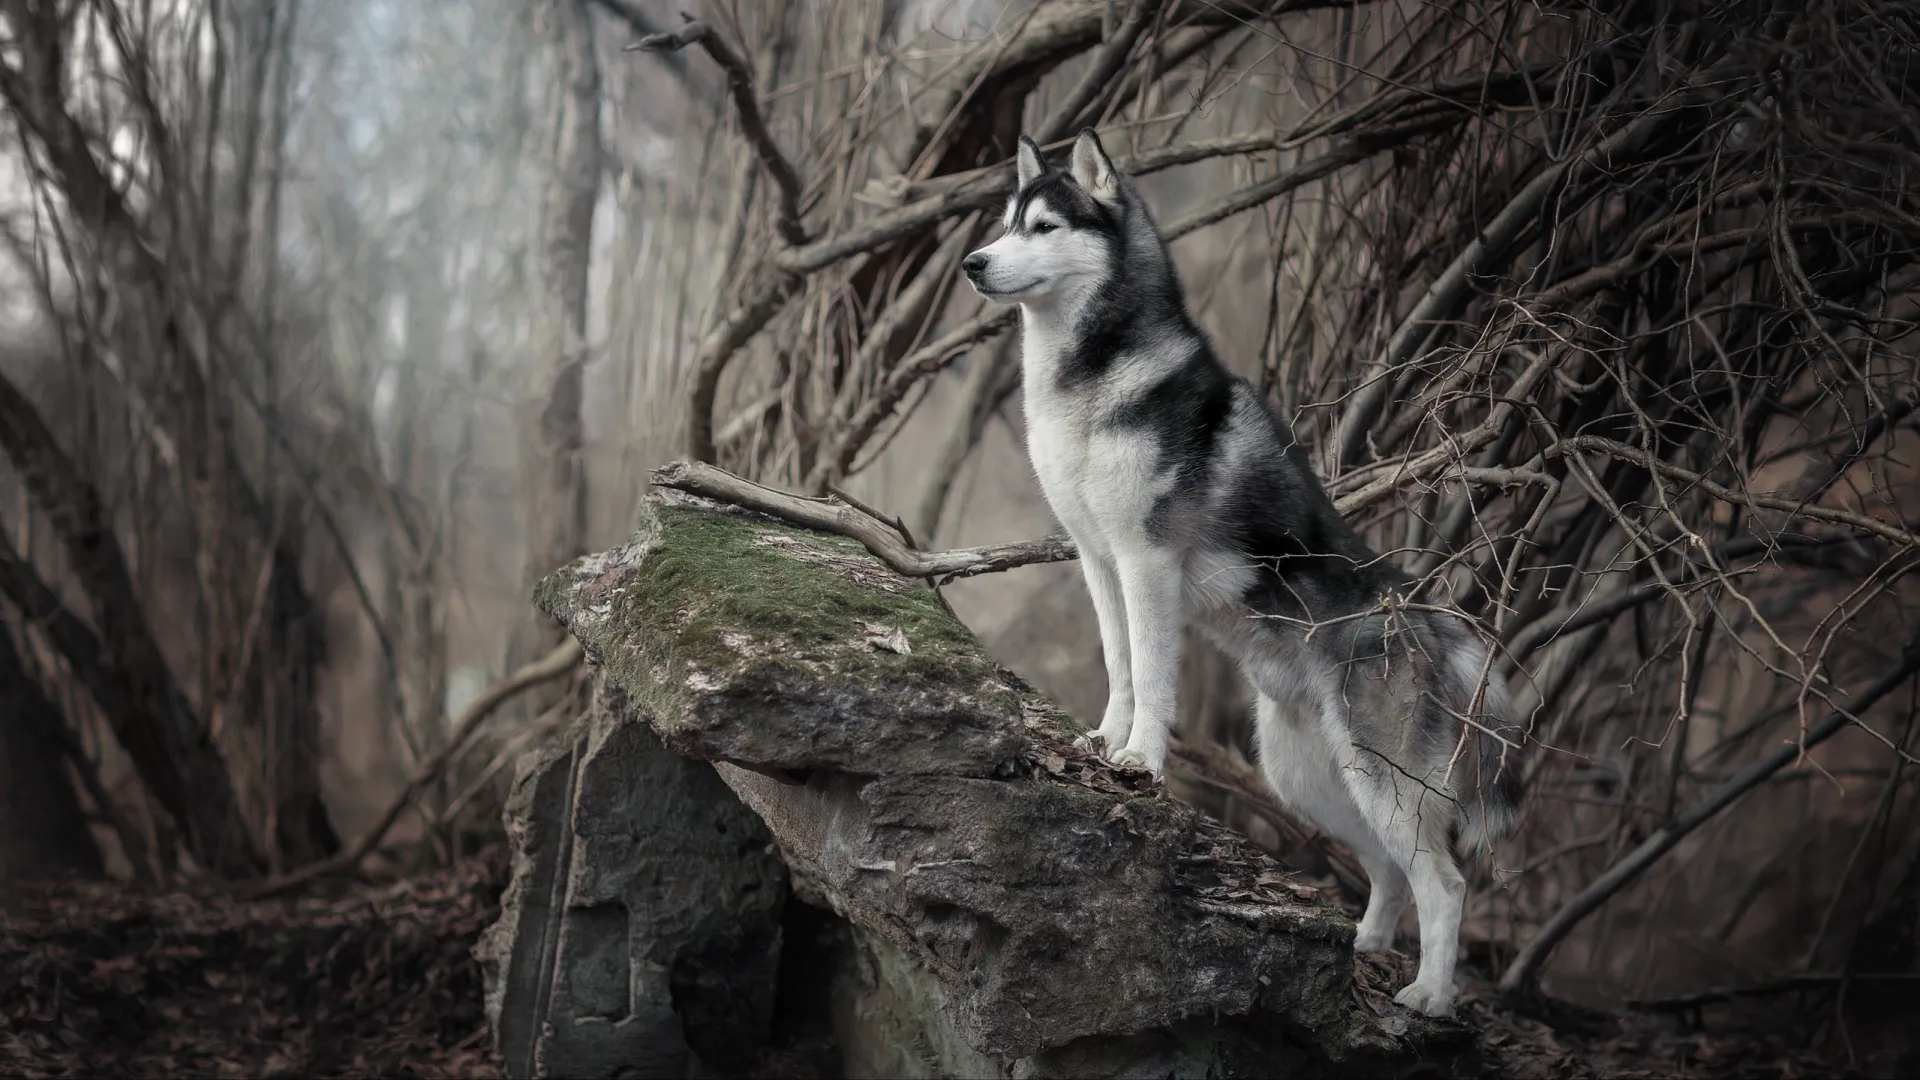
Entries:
{"x":1371,"y":940}
{"x":1135,"y":759}
{"x":1426,"y":1000}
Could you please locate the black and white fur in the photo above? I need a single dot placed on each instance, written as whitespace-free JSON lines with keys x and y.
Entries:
{"x":1191,"y":502}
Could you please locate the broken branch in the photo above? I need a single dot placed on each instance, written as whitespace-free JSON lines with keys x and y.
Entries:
{"x":877,"y":536}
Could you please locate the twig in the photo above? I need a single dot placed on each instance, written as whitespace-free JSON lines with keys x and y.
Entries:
{"x":643,"y":24}
{"x":875,"y":534}
{"x":719,"y":347}
{"x":927,"y":360}
{"x":752,"y":122}
{"x":1489,"y":244}
{"x":990,"y":381}
{"x":1771,"y":502}
{"x":1521,"y":972}
{"x":549,"y":667}
{"x":1685,"y":1002}
{"x":1348,"y":151}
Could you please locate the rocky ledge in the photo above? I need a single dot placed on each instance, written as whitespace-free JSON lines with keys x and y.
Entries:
{"x":786,"y":733}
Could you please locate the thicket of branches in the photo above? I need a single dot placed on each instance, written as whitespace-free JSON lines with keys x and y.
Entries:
{"x":1598,"y":315}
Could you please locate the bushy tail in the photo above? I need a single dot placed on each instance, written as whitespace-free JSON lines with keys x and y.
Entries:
{"x":1492,"y":814}
{"x":1490,"y":799}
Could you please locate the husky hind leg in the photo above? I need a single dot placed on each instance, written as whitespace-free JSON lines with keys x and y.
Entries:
{"x":1414,"y":824}
{"x":1298,"y":764}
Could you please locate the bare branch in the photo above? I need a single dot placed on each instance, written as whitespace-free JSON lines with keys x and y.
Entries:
{"x":1796,"y":507}
{"x":753,"y":123}
{"x":130,"y":677}
{"x":1520,"y":973}
{"x":879,"y":537}
{"x":1100,"y":71}
{"x":1491,"y":243}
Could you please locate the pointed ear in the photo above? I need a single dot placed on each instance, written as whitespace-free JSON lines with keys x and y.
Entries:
{"x":1092,"y":169}
{"x":1027,"y":161}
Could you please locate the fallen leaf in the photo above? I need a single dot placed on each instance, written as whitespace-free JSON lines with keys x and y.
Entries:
{"x":887,"y":638}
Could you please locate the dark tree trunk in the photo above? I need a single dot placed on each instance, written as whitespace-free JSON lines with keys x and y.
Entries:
{"x":123,"y":666}
{"x":42,"y":830}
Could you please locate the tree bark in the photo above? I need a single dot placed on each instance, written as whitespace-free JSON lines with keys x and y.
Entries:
{"x":42,"y":831}
{"x":553,"y":432}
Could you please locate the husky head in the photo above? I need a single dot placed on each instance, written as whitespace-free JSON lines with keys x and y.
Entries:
{"x":1067,"y":231}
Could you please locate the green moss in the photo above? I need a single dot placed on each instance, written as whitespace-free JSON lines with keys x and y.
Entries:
{"x":713,"y":576}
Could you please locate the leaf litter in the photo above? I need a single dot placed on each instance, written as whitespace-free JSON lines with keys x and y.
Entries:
{"x":100,"y":980}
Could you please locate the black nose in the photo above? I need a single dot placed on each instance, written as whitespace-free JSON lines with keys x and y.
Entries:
{"x":975,"y":265}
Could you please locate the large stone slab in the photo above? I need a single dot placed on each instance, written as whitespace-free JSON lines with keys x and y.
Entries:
{"x":1013,"y":906}
{"x":640,"y":933}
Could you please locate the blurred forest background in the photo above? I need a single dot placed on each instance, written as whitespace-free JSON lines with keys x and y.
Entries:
{"x":328,"y":327}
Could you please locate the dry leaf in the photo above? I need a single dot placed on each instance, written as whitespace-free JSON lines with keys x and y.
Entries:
{"x":887,"y":638}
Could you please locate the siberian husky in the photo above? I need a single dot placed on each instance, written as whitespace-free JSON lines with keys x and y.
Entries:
{"x":1190,"y":500}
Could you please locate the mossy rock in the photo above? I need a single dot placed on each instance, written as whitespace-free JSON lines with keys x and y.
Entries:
{"x":1062,"y":916}
{"x":775,"y":647}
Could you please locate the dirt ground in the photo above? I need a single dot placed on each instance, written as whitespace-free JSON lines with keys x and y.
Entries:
{"x":101,"y":981}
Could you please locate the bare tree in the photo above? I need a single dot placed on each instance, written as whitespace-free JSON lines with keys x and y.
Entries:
{"x":553,"y":472}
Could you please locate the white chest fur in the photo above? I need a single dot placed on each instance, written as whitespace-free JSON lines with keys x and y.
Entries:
{"x":1101,"y":479}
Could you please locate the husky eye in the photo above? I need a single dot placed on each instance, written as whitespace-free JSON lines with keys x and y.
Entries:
{"x":1044,"y":227}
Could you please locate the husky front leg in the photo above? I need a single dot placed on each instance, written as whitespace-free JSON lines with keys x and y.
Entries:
{"x":1153,"y":582}
{"x":1110,"y":608}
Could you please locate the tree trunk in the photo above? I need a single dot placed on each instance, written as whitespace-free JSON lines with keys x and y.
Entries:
{"x":42,"y":831}
{"x":123,"y":666}
{"x":552,"y":464}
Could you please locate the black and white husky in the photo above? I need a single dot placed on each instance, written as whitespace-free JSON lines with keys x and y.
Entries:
{"x":1190,"y":500}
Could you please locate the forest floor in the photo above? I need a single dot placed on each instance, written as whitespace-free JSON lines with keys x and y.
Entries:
{"x":97,"y":980}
